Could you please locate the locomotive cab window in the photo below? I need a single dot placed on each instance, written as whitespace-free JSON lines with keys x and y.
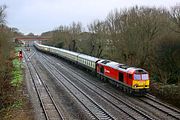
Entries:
{"x":141,"y":75}
{"x":145,"y":76}
{"x":137,"y":76}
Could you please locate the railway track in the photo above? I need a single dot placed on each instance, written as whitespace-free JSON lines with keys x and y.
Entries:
{"x":171,"y":112}
{"x":49,"y":107}
{"x":118,"y":103}
{"x":93,"y":108}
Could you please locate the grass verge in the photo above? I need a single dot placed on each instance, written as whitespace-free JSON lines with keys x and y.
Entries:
{"x":20,"y":107}
{"x":17,"y":73}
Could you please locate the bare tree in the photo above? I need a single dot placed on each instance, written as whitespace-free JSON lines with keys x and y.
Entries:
{"x":67,"y":36}
{"x":2,"y":14}
{"x":75,"y":30}
{"x":132,"y":32}
{"x":175,"y":18}
{"x":98,"y":38}
{"x":5,"y":61}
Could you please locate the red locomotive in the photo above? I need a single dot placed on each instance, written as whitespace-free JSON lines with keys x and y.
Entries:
{"x":131,"y":79}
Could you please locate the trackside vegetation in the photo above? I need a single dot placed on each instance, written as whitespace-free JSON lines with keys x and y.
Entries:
{"x":17,"y":74}
{"x":12,"y":97}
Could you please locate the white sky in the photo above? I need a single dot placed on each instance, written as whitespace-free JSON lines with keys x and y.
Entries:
{"x":39,"y":16}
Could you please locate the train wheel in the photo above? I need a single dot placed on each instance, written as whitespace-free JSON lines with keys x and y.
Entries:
{"x":117,"y":85}
{"x":101,"y":77}
{"x":105,"y":79}
{"x":98,"y":76}
{"x":130,"y":91}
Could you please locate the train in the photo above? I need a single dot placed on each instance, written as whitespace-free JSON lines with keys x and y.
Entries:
{"x":130,"y":79}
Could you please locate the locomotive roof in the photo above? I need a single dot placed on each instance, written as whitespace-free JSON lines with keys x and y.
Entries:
{"x":119,"y":66}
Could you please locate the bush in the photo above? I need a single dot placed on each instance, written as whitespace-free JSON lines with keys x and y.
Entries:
{"x":168,"y":93}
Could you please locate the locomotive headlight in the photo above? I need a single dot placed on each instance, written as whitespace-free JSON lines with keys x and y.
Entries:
{"x":135,"y":85}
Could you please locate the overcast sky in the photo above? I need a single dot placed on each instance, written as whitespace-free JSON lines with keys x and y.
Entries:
{"x":39,"y":16}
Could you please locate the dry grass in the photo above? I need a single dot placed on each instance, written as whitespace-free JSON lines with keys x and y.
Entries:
{"x":21,"y":110}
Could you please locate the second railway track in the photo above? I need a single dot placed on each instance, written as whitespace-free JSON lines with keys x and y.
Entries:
{"x":49,"y":107}
{"x":170,"y":111}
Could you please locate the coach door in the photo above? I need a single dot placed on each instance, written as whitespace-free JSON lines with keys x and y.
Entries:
{"x":121,"y":77}
{"x":102,"y":69}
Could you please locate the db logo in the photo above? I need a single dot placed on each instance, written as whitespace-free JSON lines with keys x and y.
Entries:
{"x":107,"y":71}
